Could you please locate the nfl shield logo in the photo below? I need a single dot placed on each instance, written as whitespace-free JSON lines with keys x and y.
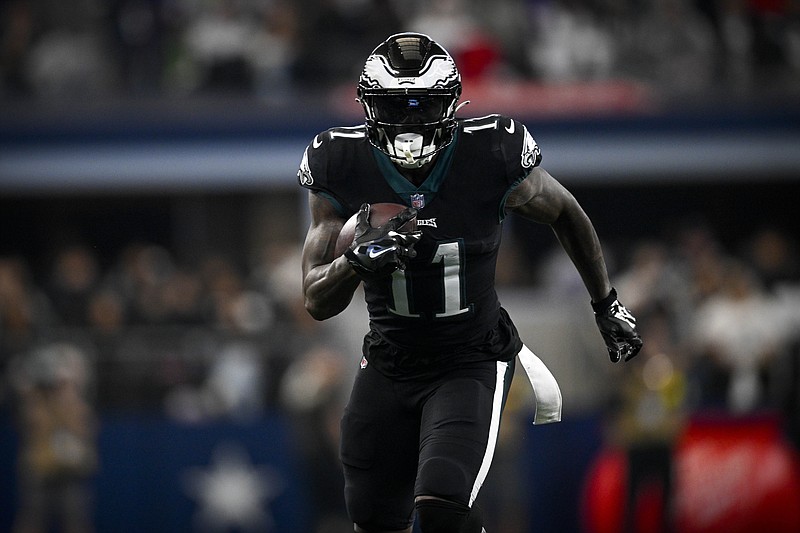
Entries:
{"x":417,"y":201}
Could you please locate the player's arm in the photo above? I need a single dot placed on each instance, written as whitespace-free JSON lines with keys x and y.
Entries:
{"x":328,"y":282}
{"x":543,"y":199}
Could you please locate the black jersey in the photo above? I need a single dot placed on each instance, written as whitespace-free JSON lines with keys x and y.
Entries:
{"x":444,"y":306}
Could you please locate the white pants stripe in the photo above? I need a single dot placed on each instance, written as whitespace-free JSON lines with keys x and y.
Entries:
{"x":547,"y":396}
{"x":494,"y":429}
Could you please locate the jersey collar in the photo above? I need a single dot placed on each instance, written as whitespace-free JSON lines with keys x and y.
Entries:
{"x":428,"y":188}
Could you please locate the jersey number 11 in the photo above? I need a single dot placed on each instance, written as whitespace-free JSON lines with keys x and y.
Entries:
{"x":448,"y":254}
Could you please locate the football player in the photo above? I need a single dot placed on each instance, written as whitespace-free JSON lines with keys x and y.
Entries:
{"x":420,"y":428}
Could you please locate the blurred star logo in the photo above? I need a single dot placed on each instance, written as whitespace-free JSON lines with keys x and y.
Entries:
{"x":232,"y":493}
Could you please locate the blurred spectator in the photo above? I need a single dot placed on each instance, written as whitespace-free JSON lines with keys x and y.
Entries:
{"x":68,"y":57}
{"x":57,"y":429}
{"x":139,"y":276}
{"x":182,"y":296}
{"x":234,"y":47}
{"x":139,"y":35}
{"x":334,"y":36}
{"x":236,"y":381}
{"x":737,"y":334}
{"x":569,"y":44}
{"x":16,"y":35}
{"x":769,"y":22}
{"x":312,"y":393}
{"x":219,"y":42}
{"x":657,"y":281}
{"x":232,"y":305}
{"x":674,"y":40}
{"x":75,"y":275}
{"x":275,"y":275}
{"x":774,"y":258}
{"x":273,"y":52}
{"x":699,"y":260}
{"x":730,"y":38}
{"x":233,"y":387}
{"x":25,"y":310}
{"x":648,"y":415}
{"x":106,"y":312}
{"x":506,"y":22}
{"x":659,"y":273}
{"x":451,"y":24}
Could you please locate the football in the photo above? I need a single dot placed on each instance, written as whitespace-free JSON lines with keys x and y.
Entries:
{"x":379,"y":214}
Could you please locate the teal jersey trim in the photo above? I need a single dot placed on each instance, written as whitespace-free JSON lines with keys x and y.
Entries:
{"x":501,"y":215}
{"x":336,"y":204}
{"x":404,"y":188}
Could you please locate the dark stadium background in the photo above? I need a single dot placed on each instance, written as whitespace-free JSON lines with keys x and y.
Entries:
{"x":214,"y":172}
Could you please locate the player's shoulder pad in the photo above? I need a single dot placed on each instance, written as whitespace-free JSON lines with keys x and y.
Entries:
{"x":334,"y":138}
{"x":322,"y":148}
{"x":509,"y":136}
{"x":494,"y":122}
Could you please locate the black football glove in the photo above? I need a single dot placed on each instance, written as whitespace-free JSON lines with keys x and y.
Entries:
{"x":618,"y":327}
{"x":377,"y":252}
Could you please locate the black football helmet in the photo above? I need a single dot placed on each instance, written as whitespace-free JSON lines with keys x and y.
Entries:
{"x":410,"y":88}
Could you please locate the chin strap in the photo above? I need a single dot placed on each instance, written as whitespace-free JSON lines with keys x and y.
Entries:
{"x":410,"y":162}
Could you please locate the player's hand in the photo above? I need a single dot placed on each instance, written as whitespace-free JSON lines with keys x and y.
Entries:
{"x":618,"y":327}
{"x":377,"y":252}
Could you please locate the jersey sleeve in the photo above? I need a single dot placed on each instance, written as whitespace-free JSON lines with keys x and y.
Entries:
{"x":313,"y":172}
{"x":520,"y":151}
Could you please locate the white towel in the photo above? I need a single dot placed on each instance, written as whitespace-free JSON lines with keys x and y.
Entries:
{"x":546,"y":393}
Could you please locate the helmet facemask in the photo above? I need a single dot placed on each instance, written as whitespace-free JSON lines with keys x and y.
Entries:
{"x":409,"y":90}
{"x":410,"y":129}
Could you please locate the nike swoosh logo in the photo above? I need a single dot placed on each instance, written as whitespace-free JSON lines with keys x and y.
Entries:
{"x":510,"y":129}
{"x":316,"y":143}
{"x":377,"y":251}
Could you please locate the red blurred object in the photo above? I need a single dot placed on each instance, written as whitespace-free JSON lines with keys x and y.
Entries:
{"x":731,"y":476}
{"x":604,"y":493}
{"x":737,"y":476}
{"x":478,"y":58}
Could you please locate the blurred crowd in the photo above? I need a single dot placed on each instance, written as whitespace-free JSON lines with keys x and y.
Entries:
{"x":213,"y":336}
{"x":275,"y":49}
{"x":726,"y":323}
{"x":197,"y":339}
{"x":141,"y":333}
{"x":220,"y":340}
{"x":722,"y":341}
